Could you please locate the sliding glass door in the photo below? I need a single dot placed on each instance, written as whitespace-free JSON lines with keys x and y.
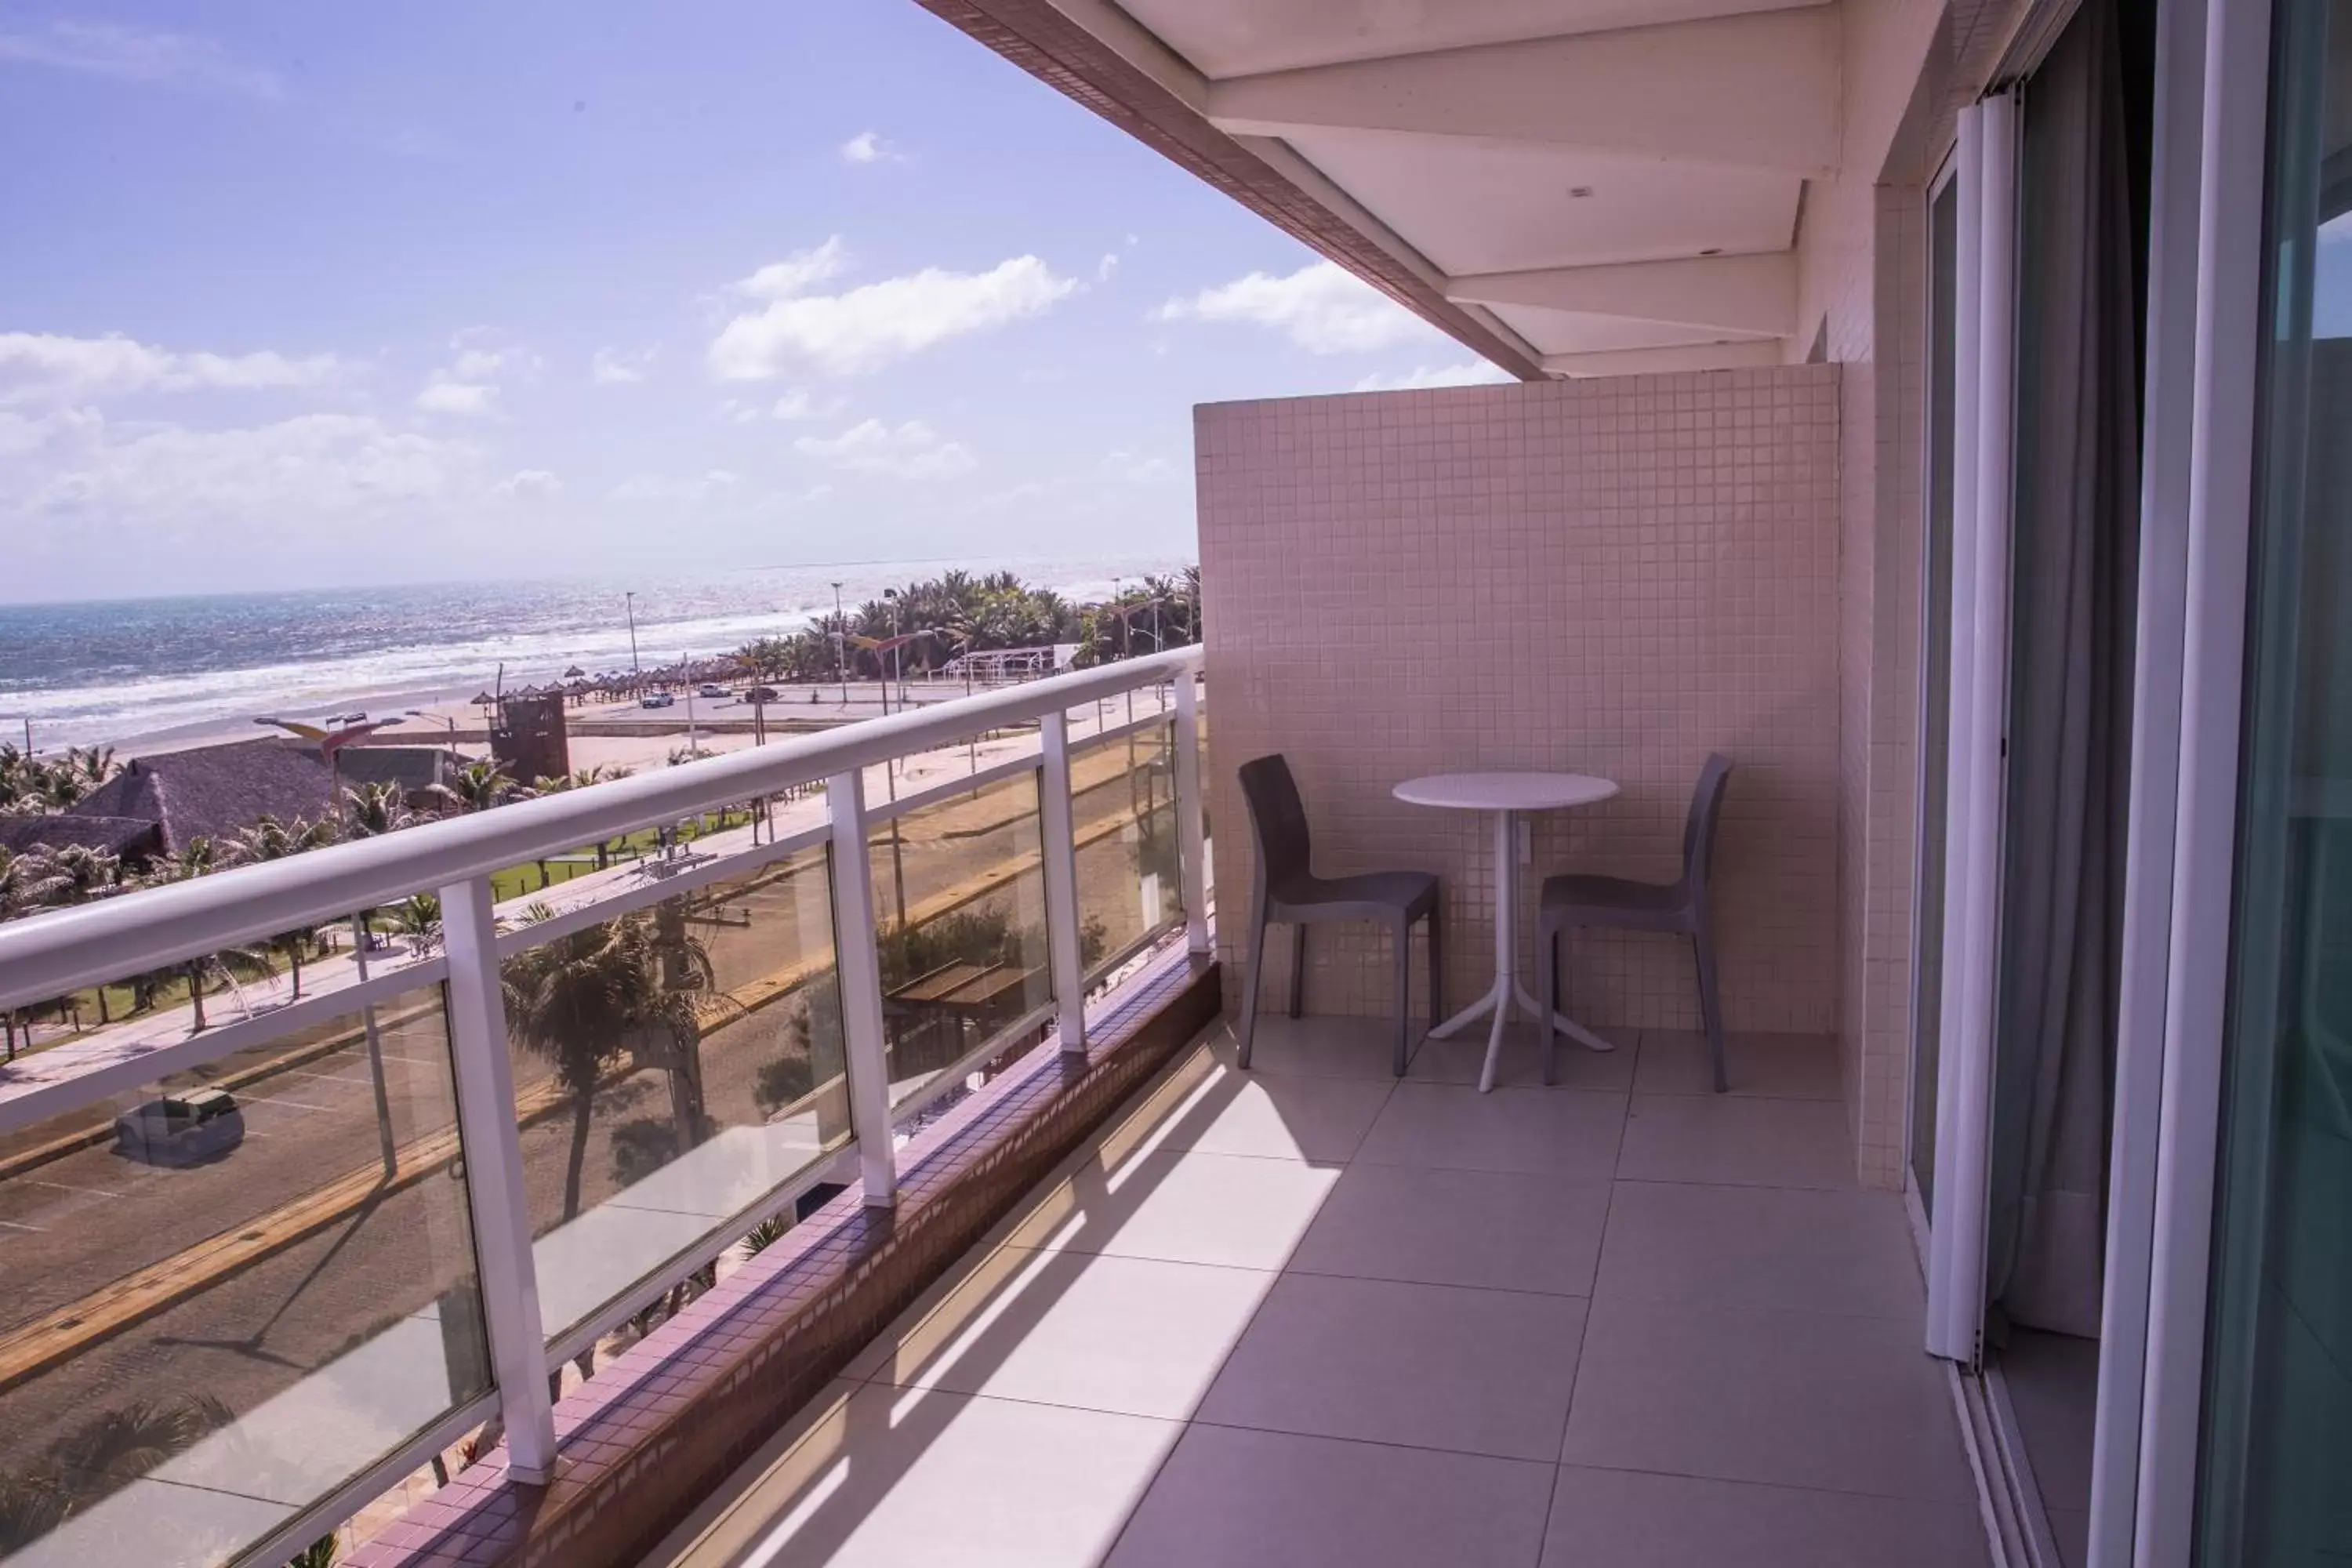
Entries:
{"x":2278,"y":1427}
{"x":1935,"y":678}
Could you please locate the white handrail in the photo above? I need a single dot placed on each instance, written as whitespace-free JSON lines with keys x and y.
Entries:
{"x":63,"y":951}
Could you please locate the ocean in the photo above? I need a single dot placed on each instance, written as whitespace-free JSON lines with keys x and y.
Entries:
{"x":152,"y":673}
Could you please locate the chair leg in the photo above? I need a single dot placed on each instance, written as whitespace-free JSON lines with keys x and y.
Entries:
{"x":1436,"y":970}
{"x":1251,"y":976}
{"x":1547,"y":989}
{"x":1404,"y":995}
{"x":1710,"y":1004}
{"x":1298,"y":969}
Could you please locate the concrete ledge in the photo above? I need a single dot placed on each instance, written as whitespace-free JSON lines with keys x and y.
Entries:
{"x":645,"y":1441}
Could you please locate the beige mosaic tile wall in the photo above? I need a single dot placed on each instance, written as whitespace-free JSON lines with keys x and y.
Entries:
{"x":1612,"y":577}
{"x":1861,"y":298}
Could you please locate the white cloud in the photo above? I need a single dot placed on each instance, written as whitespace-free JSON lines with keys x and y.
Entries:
{"x":868,"y":147}
{"x":687,"y":488}
{"x":799,"y":405}
{"x":468,"y":386}
{"x":45,"y":366}
{"x":459,"y":399}
{"x":75,"y":461}
{"x":137,"y":55}
{"x":910,"y":451}
{"x":796,"y":273}
{"x":613,"y":368}
{"x":529,"y":485}
{"x":866,"y":328}
{"x":1322,"y":308}
{"x":1138,"y":471}
{"x":1470,"y":373}
{"x":1106,"y":267}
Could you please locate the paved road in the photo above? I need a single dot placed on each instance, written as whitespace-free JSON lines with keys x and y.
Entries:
{"x":75,"y":1225}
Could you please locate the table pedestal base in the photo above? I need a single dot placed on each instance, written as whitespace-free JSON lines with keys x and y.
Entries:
{"x":1506,"y":992}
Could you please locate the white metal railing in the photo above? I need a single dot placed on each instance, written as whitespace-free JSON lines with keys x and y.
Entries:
{"x":62,"y":951}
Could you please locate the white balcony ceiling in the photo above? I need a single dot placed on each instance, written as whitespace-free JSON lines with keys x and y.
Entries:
{"x":1642,"y":162}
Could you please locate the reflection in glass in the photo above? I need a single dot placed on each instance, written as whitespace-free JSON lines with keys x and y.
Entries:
{"x":1123,"y":807}
{"x":672,"y":1066}
{"x":231,"y":1291}
{"x":959,"y":914}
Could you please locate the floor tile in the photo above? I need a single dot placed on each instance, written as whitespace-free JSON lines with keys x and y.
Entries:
{"x":1462,"y":1059}
{"x":1797,"y":1399}
{"x":897,"y":1472}
{"x":1765,"y":1067}
{"x":1545,"y":1132}
{"x":1236,"y":1112}
{"x":1761,"y":1247}
{"x":1492,"y":1229}
{"x":1316,"y":1048}
{"x":1616,"y":1518}
{"x":1746,"y":1142}
{"x":1232,"y":1499}
{"x":1132,"y":1335}
{"x":1185,"y":1207}
{"x":1484,"y":1372}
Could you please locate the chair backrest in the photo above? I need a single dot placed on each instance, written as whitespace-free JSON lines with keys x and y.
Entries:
{"x":1278,"y":819}
{"x":1698,"y":831}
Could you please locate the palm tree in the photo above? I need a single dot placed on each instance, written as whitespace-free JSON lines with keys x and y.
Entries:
{"x":28,"y":882}
{"x":585,"y":999}
{"x":477,"y":786}
{"x":418,"y":918}
{"x":371,"y":810}
{"x":271,"y":839}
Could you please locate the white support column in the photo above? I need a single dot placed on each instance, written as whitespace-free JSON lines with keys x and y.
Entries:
{"x":1060,"y":850}
{"x":494,"y":1188}
{"x":857,"y":968}
{"x":1192,"y":858}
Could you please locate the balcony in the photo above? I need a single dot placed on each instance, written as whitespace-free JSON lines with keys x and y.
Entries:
{"x":838,"y":1241}
{"x":1311,"y":1315}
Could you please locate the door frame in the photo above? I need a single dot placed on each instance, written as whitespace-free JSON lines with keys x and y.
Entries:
{"x":1946,"y":178}
{"x":1983,"y":516}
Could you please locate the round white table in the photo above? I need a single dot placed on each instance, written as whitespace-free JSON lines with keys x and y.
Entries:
{"x":1505,"y":795}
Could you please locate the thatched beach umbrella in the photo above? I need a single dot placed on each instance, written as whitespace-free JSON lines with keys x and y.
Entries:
{"x":483,"y":700}
{"x":575,"y":673}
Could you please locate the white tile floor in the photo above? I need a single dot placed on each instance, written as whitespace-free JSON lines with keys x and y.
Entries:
{"x":1309,"y":1316}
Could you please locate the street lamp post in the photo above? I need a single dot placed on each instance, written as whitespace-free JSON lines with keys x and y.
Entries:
{"x":840,"y":650}
{"x":629,"y":604}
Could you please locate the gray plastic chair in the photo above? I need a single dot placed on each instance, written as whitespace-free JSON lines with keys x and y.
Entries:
{"x":1289,"y":891}
{"x":1679,"y":907}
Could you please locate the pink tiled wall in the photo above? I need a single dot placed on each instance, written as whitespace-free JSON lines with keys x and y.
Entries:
{"x":1861,"y":271}
{"x":1611,"y":576}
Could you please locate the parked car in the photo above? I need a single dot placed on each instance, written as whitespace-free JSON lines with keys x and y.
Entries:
{"x":709,"y":689}
{"x":656,"y":699}
{"x":181,"y":1129}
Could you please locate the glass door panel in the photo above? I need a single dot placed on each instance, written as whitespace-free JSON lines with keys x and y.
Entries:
{"x":2278,"y":1399}
{"x":1936,"y":679}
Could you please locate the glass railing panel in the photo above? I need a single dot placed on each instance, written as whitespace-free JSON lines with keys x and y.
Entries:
{"x":960,"y":918}
{"x":673,"y":1067}
{"x":1123,"y":809}
{"x":233,"y":1291}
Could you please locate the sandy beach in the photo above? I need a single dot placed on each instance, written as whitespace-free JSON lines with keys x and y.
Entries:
{"x":600,"y":734}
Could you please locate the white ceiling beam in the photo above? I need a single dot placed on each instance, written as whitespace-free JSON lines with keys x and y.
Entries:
{"x":1664,"y":361}
{"x":1752,"y":91}
{"x":1721,"y":293}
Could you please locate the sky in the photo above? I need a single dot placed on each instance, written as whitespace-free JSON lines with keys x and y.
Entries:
{"x":302,"y":296}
